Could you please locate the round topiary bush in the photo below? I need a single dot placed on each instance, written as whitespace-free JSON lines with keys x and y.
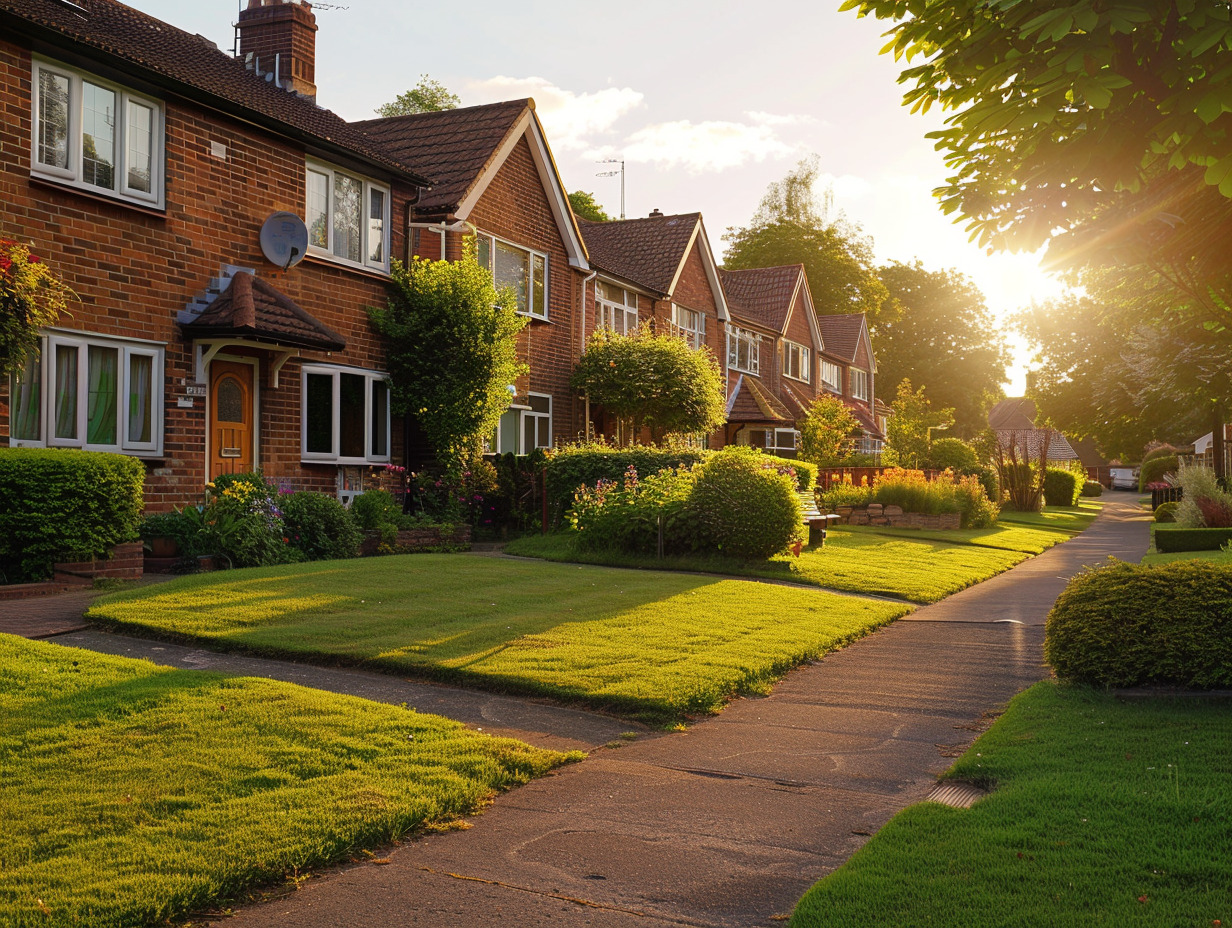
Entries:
{"x":1128,"y":625}
{"x":955,"y":454}
{"x":1061,"y":487}
{"x":319,"y":526}
{"x":744,"y":507}
{"x":1166,"y":512}
{"x":1092,"y":488}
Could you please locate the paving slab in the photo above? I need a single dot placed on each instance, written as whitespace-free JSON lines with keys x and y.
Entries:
{"x":43,"y":616}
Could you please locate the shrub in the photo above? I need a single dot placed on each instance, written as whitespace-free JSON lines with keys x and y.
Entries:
{"x":1166,"y":512}
{"x":805,"y":471}
{"x":1154,"y":468}
{"x":573,"y":466}
{"x":1197,"y":483}
{"x":1128,"y":625}
{"x":319,"y":527}
{"x":913,"y":492}
{"x":954,"y":454}
{"x":61,"y":505}
{"x":1092,"y":488}
{"x":847,"y":493}
{"x":745,"y":508}
{"x":626,"y":514}
{"x":1061,"y":487}
{"x":244,"y":522}
{"x":1163,"y":451}
{"x":374,"y":508}
{"x":1191,"y":539}
{"x":978,"y":511}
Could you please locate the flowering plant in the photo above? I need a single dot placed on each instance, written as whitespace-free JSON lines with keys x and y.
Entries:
{"x":31,"y":297}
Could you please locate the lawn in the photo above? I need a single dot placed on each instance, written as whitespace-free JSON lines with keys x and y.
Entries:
{"x":905,"y":566}
{"x":133,"y":794}
{"x":1028,"y":532}
{"x":652,"y":645}
{"x":1104,"y":813}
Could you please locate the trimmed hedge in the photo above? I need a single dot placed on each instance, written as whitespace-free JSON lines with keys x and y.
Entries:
{"x":65,"y":505}
{"x":1154,"y":468}
{"x":1128,"y":625}
{"x":1166,"y":512}
{"x":1092,"y":488}
{"x":1061,"y":487}
{"x":745,"y":509}
{"x":319,"y":526}
{"x":1191,"y":539}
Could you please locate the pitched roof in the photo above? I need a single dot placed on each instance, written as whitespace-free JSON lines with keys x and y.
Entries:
{"x":452,"y":146}
{"x":647,"y":252}
{"x":752,"y":402}
{"x":840,"y":334}
{"x":866,"y":419}
{"x":1017,"y":412}
{"x":143,"y":47}
{"x":797,"y":403}
{"x":1029,"y":441}
{"x":252,"y":308}
{"x":762,"y":295}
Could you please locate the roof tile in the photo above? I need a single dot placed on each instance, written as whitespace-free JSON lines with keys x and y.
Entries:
{"x":253,"y":308}
{"x":762,"y":295}
{"x":647,"y":252}
{"x":840,"y":334}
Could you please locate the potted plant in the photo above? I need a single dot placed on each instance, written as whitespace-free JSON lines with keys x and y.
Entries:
{"x":162,"y":533}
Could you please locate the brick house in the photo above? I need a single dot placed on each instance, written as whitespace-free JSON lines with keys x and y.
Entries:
{"x":495,"y":184}
{"x":658,"y":271}
{"x":773,"y":343}
{"x":142,"y":164}
{"x":848,"y":370}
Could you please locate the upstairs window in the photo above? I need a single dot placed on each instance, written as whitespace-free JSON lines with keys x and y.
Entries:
{"x":831,"y":376}
{"x":860,"y":384}
{"x":744,"y":350}
{"x":690,"y":325}
{"x":796,"y":360}
{"x":524,"y":270}
{"x":347,"y":217}
{"x":95,"y":135}
{"x":617,"y":308}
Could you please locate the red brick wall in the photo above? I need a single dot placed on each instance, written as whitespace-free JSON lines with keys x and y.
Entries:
{"x":135,"y":269}
{"x":801,"y":332}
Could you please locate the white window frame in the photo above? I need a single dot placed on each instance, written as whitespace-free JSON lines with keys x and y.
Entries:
{"x":531,"y":255}
{"x":803,"y":358}
{"x":609,"y":313}
{"x":521,"y":412}
{"x":834,"y":385}
{"x":537,"y":416}
{"x":694,"y":335}
{"x":125,"y":349}
{"x":860,"y":384}
{"x":333,"y":456}
{"x":750,"y":342}
{"x":368,"y":187}
{"x":773,"y":443}
{"x":73,"y":175}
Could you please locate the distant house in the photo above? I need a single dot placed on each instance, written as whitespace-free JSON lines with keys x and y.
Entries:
{"x":1013,"y":421}
{"x":848,"y":369}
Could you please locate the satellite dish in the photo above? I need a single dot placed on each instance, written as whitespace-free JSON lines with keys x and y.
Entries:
{"x":284,"y":239}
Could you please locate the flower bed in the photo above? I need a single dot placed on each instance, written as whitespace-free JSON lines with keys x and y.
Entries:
{"x":877,"y":514}
{"x":422,"y":538}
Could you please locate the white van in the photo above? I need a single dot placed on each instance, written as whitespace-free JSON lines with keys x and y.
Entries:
{"x":1123,"y":478}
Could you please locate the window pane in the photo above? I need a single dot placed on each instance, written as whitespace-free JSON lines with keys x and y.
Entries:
{"x":351,"y":417}
{"x":98,"y":122}
{"x":317,"y":198}
{"x":545,"y":432}
{"x":26,"y":413}
{"x":483,"y":252}
{"x":538,"y":287}
{"x":380,"y":419}
{"x":140,"y":147}
{"x":509,"y":432}
{"x":541,"y":404}
{"x":319,"y":414}
{"x":229,"y":401}
{"x":140,"y":398}
{"x":376,"y":226}
{"x":511,"y":271}
{"x":528,"y":434}
{"x":348,"y":195}
{"x":53,"y":119}
{"x":102,"y":371}
{"x":66,"y":391}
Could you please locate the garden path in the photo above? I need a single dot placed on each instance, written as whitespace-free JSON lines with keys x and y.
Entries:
{"x":730,"y":822}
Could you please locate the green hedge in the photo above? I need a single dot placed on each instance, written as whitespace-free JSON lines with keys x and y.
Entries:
{"x":1191,"y":539}
{"x":1128,"y":625}
{"x":745,"y":509}
{"x":65,"y":505}
{"x":1092,"y":488}
{"x":1153,"y":469}
{"x":1061,"y":487}
{"x":1166,"y":512}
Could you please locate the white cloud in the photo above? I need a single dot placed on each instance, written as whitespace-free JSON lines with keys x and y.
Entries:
{"x":700,"y":147}
{"x":571,"y":120}
{"x":780,"y":119}
{"x":845,"y":186}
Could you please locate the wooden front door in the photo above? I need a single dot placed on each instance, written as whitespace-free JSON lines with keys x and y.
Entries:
{"x":231,"y":415}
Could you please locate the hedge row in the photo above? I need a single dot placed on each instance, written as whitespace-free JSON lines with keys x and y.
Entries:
{"x":1191,"y":539}
{"x":1062,"y":487}
{"x":1128,"y":625}
{"x":65,"y":505}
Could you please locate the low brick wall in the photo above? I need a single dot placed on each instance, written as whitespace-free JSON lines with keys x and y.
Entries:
{"x":418,"y":539}
{"x":126,"y":562}
{"x":877,"y":514}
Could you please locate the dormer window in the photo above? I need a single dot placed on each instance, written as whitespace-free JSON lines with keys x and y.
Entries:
{"x":95,"y":135}
{"x":347,"y":217}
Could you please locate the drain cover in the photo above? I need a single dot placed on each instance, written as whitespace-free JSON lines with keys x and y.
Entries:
{"x":956,"y":795}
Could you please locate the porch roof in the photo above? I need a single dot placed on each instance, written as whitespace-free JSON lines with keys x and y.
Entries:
{"x":252,"y":308}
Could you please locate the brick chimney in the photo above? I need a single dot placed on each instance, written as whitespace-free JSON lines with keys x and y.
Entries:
{"x":281,"y":35}
{"x":656,"y":213}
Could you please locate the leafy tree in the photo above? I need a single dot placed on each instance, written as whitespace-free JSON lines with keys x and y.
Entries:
{"x":451,"y":338}
{"x":31,"y":298}
{"x":907,"y":429}
{"x":942,"y":337}
{"x":653,"y":381}
{"x":428,"y":96}
{"x":792,"y":227}
{"x":828,"y":433}
{"x":584,"y":205}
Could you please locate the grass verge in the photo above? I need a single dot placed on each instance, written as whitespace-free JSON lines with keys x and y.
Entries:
{"x":654,"y":646}
{"x":1104,"y":813}
{"x":133,"y":794}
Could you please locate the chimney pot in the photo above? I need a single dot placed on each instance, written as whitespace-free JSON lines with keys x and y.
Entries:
{"x":656,"y":213}
{"x":285,"y":31}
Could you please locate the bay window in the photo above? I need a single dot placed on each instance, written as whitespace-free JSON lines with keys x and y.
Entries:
{"x":520,"y":268}
{"x":95,"y":135}
{"x":616,"y":308}
{"x":744,"y":350}
{"x":87,"y":391}
{"x":345,"y":415}
{"x":796,"y":362}
{"x":347,"y":217}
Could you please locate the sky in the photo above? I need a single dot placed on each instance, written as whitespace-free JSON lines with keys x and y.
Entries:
{"x":707,"y":103}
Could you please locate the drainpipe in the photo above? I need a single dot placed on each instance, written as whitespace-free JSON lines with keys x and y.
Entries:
{"x":581,"y":351}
